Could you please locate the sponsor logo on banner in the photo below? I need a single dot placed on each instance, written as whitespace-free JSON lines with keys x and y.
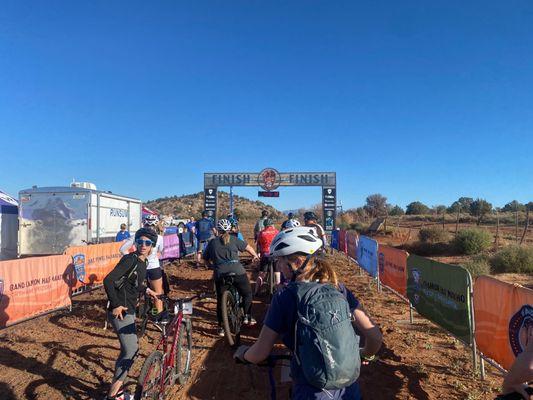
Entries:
{"x":518,"y":326}
{"x":269,"y":179}
{"x":416,"y":277}
{"x":79,"y":266}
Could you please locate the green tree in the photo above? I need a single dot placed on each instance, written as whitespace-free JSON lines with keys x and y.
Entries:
{"x":461,"y":205}
{"x":376,"y":204}
{"x":416,"y":208}
{"x":479,"y":209}
{"x":529,"y":206}
{"x":440,"y":209}
{"x":513,"y":206}
{"x":396,"y":210}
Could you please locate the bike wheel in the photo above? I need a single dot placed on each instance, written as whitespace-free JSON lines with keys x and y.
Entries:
{"x":149,"y":383}
{"x":183,"y":354}
{"x":230,"y":318}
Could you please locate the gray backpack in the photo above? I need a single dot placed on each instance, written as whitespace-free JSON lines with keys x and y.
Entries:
{"x":326,"y":346}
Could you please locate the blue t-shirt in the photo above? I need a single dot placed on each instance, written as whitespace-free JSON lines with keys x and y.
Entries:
{"x":204,"y":229}
{"x":190,"y":226}
{"x":122,"y":235}
{"x":281,"y":318}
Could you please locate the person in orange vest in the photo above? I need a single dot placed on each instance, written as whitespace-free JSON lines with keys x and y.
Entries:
{"x":264,"y":238}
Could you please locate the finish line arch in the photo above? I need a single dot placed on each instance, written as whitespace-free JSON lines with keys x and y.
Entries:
{"x":270,"y":179}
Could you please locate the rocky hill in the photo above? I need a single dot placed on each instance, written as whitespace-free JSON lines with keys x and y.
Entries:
{"x":193,"y":204}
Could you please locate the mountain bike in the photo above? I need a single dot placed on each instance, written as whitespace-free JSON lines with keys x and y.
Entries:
{"x":271,"y":362}
{"x":171,"y":361}
{"x":269,"y":281}
{"x":232,"y":310}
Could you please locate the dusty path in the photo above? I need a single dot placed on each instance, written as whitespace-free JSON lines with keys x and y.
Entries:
{"x":69,"y":355}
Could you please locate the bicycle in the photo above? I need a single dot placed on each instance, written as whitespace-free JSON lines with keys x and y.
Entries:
{"x":270,"y":279}
{"x":171,"y":361}
{"x":232,"y":310}
{"x":271,"y":362}
{"x":146,"y":310}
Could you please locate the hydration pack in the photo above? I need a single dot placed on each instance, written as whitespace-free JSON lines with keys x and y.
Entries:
{"x":325,"y":344}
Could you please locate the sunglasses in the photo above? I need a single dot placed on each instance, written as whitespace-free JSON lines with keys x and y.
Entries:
{"x":141,"y":242}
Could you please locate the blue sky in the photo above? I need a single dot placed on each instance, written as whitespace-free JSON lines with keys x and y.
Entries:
{"x":416,"y":100}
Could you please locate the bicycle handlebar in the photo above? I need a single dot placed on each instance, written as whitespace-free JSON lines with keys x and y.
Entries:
{"x":198,"y":296}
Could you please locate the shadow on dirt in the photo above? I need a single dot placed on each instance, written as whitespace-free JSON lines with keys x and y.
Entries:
{"x":70,"y":386}
{"x":6,"y":392}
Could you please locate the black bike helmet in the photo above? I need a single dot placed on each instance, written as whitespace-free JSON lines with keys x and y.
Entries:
{"x":309,"y":215}
{"x":268,"y":222}
{"x":147,"y":232}
{"x":205,"y":214}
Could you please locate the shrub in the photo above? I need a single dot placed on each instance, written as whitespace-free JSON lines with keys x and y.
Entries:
{"x":472,"y":241}
{"x":416,"y":208}
{"x":359,"y":227}
{"x":513,"y":259}
{"x":433,"y":234}
{"x":479,"y":265}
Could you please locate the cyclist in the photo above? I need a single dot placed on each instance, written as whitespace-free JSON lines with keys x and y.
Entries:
{"x":290,"y":217}
{"x":154,"y":271}
{"x":264,"y":238}
{"x":222,"y":253}
{"x":123,"y":286}
{"x":296,"y":250}
{"x":310,"y":219}
{"x":205,"y":230}
{"x":260,"y":224}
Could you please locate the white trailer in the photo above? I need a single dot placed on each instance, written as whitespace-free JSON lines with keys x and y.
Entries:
{"x":53,"y":218}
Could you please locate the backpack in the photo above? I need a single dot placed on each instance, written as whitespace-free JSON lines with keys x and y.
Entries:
{"x":326,"y":347}
{"x":204,"y":226}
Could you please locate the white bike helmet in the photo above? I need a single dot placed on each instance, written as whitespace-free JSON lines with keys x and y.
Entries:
{"x":292,"y":223}
{"x":224,"y":225}
{"x":151,"y":220}
{"x":301,"y":239}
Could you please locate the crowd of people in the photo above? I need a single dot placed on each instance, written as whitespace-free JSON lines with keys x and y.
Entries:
{"x":321,"y":322}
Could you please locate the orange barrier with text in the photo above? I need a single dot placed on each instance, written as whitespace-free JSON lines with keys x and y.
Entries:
{"x":503,"y":312}
{"x":392,"y":264}
{"x":90,"y":264}
{"x":351,"y":244}
{"x":32,"y":286}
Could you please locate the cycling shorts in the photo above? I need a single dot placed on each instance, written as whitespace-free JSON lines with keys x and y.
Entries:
{"x":154,"y":274}
{"x":201,"y":245}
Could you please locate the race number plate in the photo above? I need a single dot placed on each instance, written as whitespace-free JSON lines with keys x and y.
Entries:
{"x":187,"y":308}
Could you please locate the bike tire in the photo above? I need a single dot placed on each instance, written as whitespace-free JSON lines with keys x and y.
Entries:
{"x":231,"y":321}
{"x":271,"y":279}
{"x":183,"y":354}
{"x":152,"y":365}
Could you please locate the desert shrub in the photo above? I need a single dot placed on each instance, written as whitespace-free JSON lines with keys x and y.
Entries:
{"x":479,"y":265}
{"x":433,"y":234}
{"x":472,"y":241}
{"x":513,"y":259}
{"x":359,"y":227}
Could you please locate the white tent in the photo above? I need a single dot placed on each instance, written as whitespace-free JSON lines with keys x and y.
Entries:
{"x":9,"y":226}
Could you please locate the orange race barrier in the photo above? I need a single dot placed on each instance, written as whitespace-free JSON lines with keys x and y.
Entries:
{"x":32,"y":286}
{"x":351,"y":244}
{"x":90,"y":264}
{"x":392,"y":265}
{"x":502,"y":313}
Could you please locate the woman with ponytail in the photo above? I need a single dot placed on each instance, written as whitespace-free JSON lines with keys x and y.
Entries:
{"x":314,"y":286}
{"x":222,"y":254}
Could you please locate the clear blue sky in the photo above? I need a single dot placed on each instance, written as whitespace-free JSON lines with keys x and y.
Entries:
{"x":416,"y":100}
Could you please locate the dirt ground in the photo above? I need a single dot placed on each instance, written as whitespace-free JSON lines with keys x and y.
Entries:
{"x":68,"y":355}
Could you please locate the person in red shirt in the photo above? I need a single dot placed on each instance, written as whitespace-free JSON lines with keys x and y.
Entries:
{"x":264,"y":238}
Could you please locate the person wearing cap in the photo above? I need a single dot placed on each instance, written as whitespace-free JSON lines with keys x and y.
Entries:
{"x":260,"y":224}
{"x":123,"y":286}
{"x":205,"y":231}
{"x":123,"y":234}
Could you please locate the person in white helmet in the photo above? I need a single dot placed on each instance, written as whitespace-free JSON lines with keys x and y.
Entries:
{"x":298,"y":253}
{"x":222,"y":253}
{"x":154,"y":272}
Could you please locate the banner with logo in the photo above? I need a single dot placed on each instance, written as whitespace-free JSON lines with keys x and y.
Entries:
{"x":90,"y":264}
{"x":335,"y":239}
{"x":441,"y":293}
{"x":503,"y":312}
{"x":32,"y":286}
{"x":393,"y":268}
{"x":367,"y":255}
{"x":171,"y":247}
{"x":351,"y":244}
{"x":342,"y":240}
